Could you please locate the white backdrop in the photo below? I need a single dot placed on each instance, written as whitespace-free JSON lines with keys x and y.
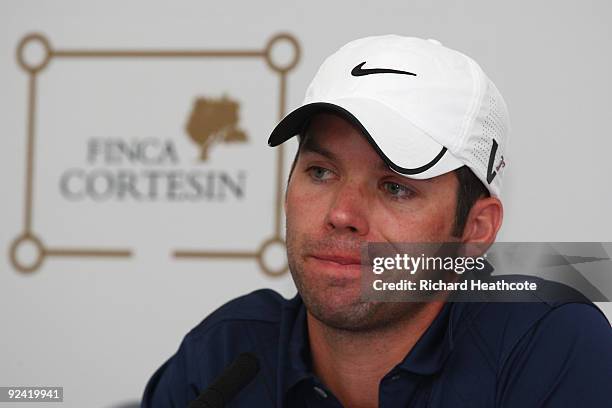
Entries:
{"x":100,"y":327}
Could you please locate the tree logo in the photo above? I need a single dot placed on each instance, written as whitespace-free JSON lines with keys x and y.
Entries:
{"x":214,"y":121}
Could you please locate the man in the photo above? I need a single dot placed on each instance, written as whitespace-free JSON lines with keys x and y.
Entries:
{"x":401,"y":140}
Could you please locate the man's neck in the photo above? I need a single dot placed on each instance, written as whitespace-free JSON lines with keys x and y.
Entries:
{"x":352,"y":363}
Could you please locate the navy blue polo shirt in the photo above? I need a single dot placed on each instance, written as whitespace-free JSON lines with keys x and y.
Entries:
{"x":536,"y":354}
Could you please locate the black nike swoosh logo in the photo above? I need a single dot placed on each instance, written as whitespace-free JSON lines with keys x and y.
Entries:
{"x":359,"y":71}
{"x":490,"y":172}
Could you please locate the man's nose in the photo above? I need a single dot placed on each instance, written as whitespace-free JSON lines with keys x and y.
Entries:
{"x":349,"y":210}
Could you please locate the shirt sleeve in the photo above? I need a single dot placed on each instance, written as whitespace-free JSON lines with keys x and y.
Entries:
{"x":565,"y":360}
{"x":169,"y":386}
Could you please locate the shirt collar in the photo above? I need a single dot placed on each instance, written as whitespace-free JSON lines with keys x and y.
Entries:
{"x":431,"y":350}
{"x":426,"y":357}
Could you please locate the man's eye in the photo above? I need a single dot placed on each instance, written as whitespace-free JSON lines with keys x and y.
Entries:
{"x":397,"y":190}
{"x":319,"y":173}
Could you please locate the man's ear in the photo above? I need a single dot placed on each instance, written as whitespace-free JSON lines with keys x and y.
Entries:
{"x":484,"y":220}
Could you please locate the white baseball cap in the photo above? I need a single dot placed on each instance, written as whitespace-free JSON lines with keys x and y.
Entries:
{"x":426,"y":109}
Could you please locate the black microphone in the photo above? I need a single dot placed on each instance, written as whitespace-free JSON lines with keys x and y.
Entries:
{"x":231,"y":381}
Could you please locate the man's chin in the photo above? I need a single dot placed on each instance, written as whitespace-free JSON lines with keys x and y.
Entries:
{"x":342,"y":314}
{"x":358,"y":315}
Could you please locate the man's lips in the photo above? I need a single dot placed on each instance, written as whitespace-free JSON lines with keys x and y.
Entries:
{"x":335,"y":268}
{"x":346,"y":260}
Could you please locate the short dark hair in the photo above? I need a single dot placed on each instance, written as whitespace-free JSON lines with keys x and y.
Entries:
{"x":469,"y":190}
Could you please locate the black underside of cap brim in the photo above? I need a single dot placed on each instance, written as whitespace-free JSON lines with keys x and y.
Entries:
{"x":295,"y":122}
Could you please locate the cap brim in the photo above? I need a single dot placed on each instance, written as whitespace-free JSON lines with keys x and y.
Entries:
{"x":405,"y":149}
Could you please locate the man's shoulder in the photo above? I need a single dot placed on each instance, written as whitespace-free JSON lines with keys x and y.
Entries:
{"x":502,"y":328}
{"x":261,"y":307}
{"x":249,"y":323}
{"x":553,"y":352}
{"x":524,"y":351}
{"x":513,"y":320}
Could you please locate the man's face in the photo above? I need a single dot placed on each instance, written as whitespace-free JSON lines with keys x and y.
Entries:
{"x":341,"y":195}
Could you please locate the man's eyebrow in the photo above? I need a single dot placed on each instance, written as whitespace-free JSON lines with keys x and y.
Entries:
{"x":311,"y":145}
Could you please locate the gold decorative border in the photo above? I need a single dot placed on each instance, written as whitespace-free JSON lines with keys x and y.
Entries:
{"x":43,"y":251}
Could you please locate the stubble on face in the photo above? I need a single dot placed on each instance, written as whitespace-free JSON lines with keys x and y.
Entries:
{"x":337,"y":302}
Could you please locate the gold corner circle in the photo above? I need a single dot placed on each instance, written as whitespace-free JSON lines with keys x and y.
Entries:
{"x":32,"y":38}
{"x":260,"y":254}
{"x":40,"y":249}
{"x":276,"y":40}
